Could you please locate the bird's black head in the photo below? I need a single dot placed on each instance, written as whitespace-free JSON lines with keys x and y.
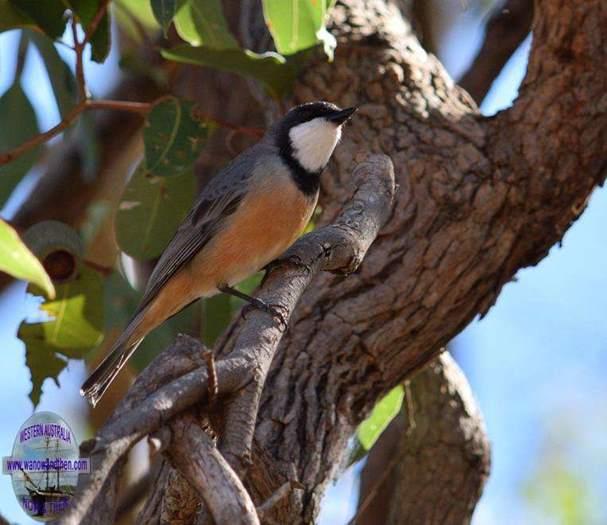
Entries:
{"x":306,"y":138}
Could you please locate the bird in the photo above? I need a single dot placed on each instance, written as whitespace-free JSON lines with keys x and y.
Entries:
{"x":248,"y":214}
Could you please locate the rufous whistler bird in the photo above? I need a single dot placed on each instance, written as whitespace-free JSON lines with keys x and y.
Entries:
{"x":246,"y":216}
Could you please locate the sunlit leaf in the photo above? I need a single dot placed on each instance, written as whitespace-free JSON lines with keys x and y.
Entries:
{"x":18,"y":123}
{"x":298,"y":24}
{"x":383,"y":413}
{"x":203,"y":23}
{"x":164,"y":11}
{"x":134,"y":18}
{"x":47,"y":14}
{"x":17,"y":260}
{"x":150,"y":211}
{"x":74,"y":327}
{"x":269,"y":68}
{"x":173,"y":138}
{"x":60,"y":75}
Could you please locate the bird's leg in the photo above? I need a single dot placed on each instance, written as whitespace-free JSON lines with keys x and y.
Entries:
{"x":254,"y":302}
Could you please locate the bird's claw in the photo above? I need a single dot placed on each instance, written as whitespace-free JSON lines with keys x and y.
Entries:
{"x":272,"y":309}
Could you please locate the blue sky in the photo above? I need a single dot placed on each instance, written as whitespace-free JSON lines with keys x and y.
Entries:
{"x":536,"y":362}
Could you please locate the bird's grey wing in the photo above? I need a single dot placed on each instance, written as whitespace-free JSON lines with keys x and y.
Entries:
{"x":218,"y":200}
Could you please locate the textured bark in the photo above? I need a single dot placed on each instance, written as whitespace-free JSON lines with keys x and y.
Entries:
{"x":478,"y":199}
{"x":434,"y":459}
{"x":175,"y":381}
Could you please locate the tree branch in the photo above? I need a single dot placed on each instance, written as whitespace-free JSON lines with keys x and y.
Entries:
{"x":504,"y":33}
{"x":176,"y":380}
{"x":439,"y":454}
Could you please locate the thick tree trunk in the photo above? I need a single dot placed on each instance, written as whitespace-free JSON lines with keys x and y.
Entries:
{"x":478,"y":199}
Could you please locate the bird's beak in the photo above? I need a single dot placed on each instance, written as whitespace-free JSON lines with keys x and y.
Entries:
{"x":339,"y":117}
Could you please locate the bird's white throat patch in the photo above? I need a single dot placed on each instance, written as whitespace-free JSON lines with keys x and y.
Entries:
{"x":313,"y":142}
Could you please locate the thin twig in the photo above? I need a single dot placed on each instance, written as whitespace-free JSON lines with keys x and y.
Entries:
{"x":79,"y":50}
{"x":120,"y":105}
{"x":41,"y":138}
{"x":92,"y":27}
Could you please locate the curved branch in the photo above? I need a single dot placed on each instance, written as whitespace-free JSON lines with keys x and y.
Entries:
{"x":505,"y":31}
{"x":434,"y":456}
{"x":176,"y":380}
{"x":478,"y":199}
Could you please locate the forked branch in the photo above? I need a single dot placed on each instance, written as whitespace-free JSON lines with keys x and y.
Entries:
{"x":178,"y":378}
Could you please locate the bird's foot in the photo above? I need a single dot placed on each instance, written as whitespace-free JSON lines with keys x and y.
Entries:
{"x":277,"y":311}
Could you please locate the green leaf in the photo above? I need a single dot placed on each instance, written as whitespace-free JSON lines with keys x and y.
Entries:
{"x":201,"y":22}
{"x":164,"y":11}
{"x":172,"y":137}
{"x":383,"y":413}
{"x":42,"y":363}
{"x":84,"y":9}
{"x":11,"y":18}
{"x":18,"y":123}
{"x":216,"y":316}
{"x":133,"y":16}
{"x":17,"y":260}
{"x":121,"y":302}
{"x":60,"y":75}
{"x":298,"y":24}
{"x":271,"y":69}
{"x":75,"y":326}
{"x":76,"y":316}
{"x":150,"y":211}
{"x":101,"y":40}
{"x":47,"y":14}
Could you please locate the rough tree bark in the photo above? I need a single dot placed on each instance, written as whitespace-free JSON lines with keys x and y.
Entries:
{"x":431,"y":463}
{"x":477,"y":200}
{"x":483,"y":198}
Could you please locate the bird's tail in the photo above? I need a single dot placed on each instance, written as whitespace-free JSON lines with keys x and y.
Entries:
{"x":99,"y":381}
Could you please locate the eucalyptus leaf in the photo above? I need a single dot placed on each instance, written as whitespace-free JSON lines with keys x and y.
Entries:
{"x":135,"y":17}
{"x":60,"y":74}
{"x":101,"y":39}
{"x":201,"y":22}
{"x":271,"y":69}
{"x":121,"y":302}
{"x":150,"y":211}
{"x":17,"y":260}
{"x":164,"y":11}
{"x":42,"y":363}
{"x":18,"y":123}
{"x":11,"y":18}
{"x":383,"y":413}
{"x":298,"y":24}
{"x":173,"y":137}
{"x":75,"y":326}
{"x":216,"y":316}
{"x":48,"y":14}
